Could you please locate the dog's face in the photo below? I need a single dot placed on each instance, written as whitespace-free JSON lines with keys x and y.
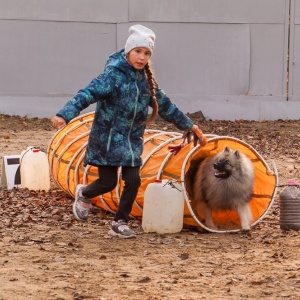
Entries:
{"x":226,"y":163}
{"x":223,"y":168}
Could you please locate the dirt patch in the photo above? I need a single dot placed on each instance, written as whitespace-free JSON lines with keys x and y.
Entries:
{"x":47,"y":254}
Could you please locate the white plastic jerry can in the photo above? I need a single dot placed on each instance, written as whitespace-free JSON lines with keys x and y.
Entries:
{"x":163,"y":207}
{"x":34,"y":170}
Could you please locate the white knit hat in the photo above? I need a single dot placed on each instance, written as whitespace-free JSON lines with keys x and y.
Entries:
{"x":140,"y":36}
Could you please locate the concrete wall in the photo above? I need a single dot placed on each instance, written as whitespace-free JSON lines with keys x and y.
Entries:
{"x":227,"y":58}
{"x":294,"y":62}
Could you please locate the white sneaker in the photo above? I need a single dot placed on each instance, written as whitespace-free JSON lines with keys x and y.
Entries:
{"x":81,"y":205}
{"x":121,"y":229}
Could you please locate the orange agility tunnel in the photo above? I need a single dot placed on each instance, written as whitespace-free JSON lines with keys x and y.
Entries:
{"x":66,"y":154}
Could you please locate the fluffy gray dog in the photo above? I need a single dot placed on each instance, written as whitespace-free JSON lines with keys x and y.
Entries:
{"x":222,"y":182}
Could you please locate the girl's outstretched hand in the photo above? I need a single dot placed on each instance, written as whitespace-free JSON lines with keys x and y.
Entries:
{"x":195,"y":134}
{"x":58,"y":122}
{"x":200,"y":135}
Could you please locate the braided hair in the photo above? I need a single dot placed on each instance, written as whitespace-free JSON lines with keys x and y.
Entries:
{"x":152,"y":86}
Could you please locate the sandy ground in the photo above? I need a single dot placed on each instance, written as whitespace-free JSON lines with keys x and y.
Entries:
{"x":46,"y":254}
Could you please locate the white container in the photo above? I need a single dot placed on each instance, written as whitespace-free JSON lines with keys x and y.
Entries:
{"x":163,"y":207}
{"x":34,"y":168}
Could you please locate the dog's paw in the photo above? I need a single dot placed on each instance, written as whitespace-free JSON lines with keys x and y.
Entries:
{"x":245,"y":230}
{"x":211,"y":226}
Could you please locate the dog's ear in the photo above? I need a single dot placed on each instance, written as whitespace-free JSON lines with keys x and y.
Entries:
{"x":237,"y":153}
{"x":227,"y":149}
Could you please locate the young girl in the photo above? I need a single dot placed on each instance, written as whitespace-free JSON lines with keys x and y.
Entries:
{"x":123,"y":93}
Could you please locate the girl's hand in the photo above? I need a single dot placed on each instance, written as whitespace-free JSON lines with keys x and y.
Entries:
{"x":200,"y":135}
{"x":58,"y":122}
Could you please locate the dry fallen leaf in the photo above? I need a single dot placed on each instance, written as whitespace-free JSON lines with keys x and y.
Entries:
{"x":144,"y":280}
{"x":184,"y":256}
{"x":236,"y":246}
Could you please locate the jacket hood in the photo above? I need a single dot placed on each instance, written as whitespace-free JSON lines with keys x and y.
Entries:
{"x":118,"y":60}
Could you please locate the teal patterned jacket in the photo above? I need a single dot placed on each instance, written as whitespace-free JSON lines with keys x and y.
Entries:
{"x":122,"y":98}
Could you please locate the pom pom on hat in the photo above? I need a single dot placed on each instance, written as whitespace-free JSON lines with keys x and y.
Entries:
{"x":140,"y":36}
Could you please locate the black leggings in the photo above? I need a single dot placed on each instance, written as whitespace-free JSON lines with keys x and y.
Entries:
{"x":107,"y":181}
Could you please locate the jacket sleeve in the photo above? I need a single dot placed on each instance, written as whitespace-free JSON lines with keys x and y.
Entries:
{"x":171,"y":113}
{"x":98,"y":89}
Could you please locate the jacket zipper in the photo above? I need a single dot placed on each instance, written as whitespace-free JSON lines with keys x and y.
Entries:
{"x":109,"y":140}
